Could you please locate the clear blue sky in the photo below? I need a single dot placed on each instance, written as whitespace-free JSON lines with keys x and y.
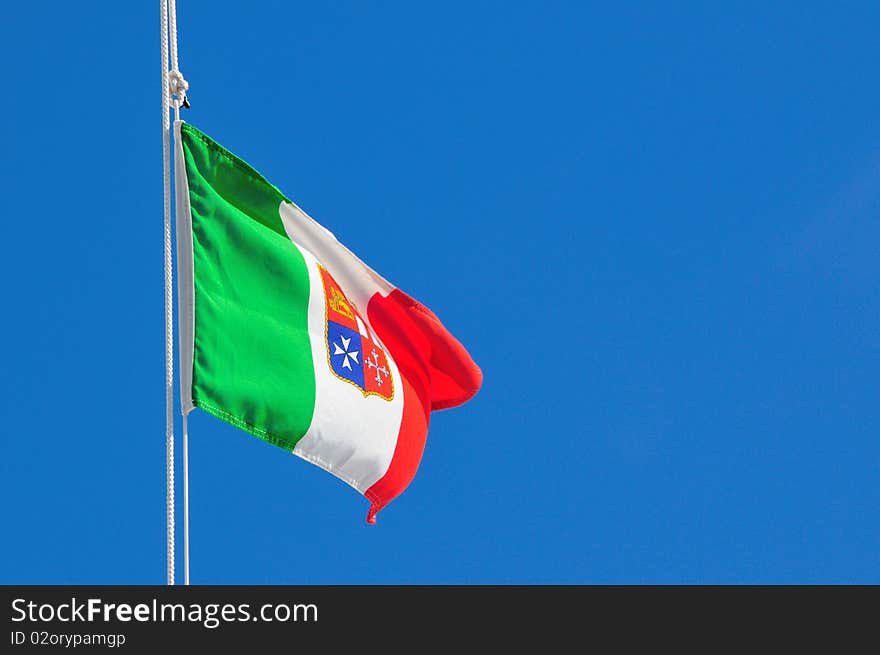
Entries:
{"x":654,"y":226}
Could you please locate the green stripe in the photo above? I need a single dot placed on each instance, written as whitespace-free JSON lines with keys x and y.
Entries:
{"x":252,"y":361}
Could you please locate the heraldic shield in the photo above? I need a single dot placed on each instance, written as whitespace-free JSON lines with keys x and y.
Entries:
{"x":353,"y":352}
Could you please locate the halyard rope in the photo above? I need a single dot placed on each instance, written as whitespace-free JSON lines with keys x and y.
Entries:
{"x":174,"y":88}
{"x":169,"y":326}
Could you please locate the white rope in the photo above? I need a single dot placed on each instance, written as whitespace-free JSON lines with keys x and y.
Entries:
{"x":172,"y":28}
{"x":174,"y":88}
{"x":178,"y":87}
{"x":185,"y":502}
{"x":177,"y":84}
{"x":169,"y":326}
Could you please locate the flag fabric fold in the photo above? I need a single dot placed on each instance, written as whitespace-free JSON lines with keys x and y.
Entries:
{"x":287,"y":335}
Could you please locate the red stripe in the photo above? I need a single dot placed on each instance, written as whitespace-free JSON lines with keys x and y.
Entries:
{"x":437,"y":373}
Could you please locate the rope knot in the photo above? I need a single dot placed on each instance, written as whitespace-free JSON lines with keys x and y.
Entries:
{"x":177,"y":87}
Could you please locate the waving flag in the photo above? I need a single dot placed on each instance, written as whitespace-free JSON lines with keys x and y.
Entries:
{"x":287,"y":335}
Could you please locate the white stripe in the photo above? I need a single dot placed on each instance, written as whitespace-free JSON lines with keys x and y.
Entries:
{"x":351,"y":435}
{"x":358,"y":281}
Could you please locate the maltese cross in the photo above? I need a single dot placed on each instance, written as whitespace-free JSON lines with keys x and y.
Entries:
{"x":347,"y":355}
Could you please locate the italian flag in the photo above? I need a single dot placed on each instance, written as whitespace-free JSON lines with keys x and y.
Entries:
{"x":286,"y":334}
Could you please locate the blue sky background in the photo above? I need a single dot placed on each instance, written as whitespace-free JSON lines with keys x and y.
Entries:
{"x":655,"y":227}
